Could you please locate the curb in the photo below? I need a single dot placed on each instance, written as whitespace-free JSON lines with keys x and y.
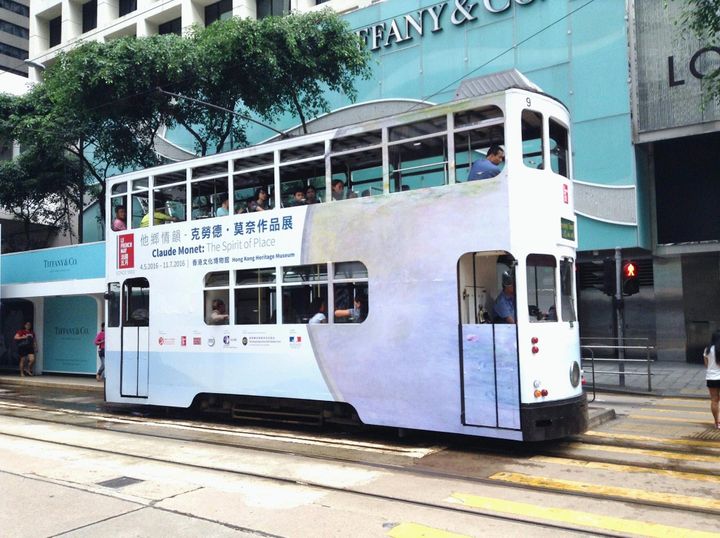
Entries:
{"x":50,"y":385}
{"x":599,"y":415}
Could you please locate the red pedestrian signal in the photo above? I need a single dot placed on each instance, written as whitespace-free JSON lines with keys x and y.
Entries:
{"x":630,"y":282}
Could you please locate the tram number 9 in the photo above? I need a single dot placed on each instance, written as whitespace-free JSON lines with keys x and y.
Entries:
{"x":528,"y":101}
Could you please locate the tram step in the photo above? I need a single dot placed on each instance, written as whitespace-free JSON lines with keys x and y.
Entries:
{"x":283,"y":416}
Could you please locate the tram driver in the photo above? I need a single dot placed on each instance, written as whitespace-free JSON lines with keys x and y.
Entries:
{"x":489,"y":166}
{"x":504,"y":308}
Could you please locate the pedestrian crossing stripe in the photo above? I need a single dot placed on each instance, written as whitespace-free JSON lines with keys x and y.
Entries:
{"x":625,"y":468}
{"x":646,"y":452}
{"x":672,"y":499}
{"x":415,"y":530}
{"x":684,"y":411}
{"x":577,"y":518}
{"x":707,"y":423}
{"x":661,"y":440}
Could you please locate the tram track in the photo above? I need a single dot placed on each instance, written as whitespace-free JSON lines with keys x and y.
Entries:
{"x":61,"y":417}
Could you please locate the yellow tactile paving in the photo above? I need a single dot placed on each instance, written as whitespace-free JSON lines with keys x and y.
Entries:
{"x":707,"y":422}
{"x":683,"y":411}
{"x":646,"y":452}
{"x":415,"y":530}
{"x":647,"y":438}
{"x":615,"y":467}
{"x":571,"y":486}
{"x":577,"y":518}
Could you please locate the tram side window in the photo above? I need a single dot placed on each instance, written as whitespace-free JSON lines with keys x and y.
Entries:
{"x":113,"y":304}
{"x":475,"y":132}
{"x":140,"y":202}
{"x":256,"y":296}
{"x":532,"y":139}
{"x":361,"y":172}
{"x":541,"y":288}
{"x":253,"y":191}
{"x":136,"y":298}
{"x":305,"y":292}
{"x":216,"y":298}
{"x":559,"y":148}
{"x":567,"y":298}
{"x":210,"y":198}
{"x":169,"y":205}
{"x":297,"y":177}
{"x":350,"y":291}
{"x":418,"y":155}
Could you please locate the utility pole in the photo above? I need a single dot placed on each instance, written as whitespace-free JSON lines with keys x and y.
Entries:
{"x":619,"y":310}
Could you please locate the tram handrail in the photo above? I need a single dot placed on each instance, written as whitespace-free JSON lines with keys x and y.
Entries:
{"x":620,"y":362}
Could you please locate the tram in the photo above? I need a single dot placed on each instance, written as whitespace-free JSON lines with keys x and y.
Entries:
{"x":375,"y":303}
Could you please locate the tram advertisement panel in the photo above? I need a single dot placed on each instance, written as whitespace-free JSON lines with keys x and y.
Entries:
{"x":249,"y":240}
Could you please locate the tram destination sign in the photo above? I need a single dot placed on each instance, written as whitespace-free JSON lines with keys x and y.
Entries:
{"x":430,"y":19}
{"x":567,"y":229}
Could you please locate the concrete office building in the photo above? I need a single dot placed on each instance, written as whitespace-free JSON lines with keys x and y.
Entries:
{"x":644,"y":143}
{"x":14,"y":36}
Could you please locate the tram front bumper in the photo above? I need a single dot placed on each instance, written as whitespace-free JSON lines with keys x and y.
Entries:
{"x":554,"y":420}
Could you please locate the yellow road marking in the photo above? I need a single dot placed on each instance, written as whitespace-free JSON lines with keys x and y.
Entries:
{"x":685,"y":411}
{"x":575,"y":517}
{"x":414,"y":530}
{"x":673,"y":419}
{"x":630,"y":437}
{"x":697,"y":404}
{"x":673,"y":499}
{"x":686,"y":400}
{"x":625,"y":468}
{"x":647,"y":452}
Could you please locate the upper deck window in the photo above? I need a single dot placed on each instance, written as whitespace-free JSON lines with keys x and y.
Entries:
{"x":253,"y":191}
{"x":419,"y":163}
{"x":559,"y":148}
{"x":210,"y":198}
{"x":356,"y":142}
{"x":532,"y":139}
{"x":297,"y":177}
{"x":418,"y":129}
{"x":298,"y":153}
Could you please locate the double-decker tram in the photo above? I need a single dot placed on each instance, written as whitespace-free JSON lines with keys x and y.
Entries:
{"x":356,"y":273}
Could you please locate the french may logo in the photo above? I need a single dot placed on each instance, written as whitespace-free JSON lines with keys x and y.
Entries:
{"x":386,"y":33}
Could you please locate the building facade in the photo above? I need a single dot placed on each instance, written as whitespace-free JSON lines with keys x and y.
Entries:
{"x":14,"y":36}
{"x":643,"y":136}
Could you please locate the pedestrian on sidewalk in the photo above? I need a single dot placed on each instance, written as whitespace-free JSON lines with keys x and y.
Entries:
{"x":27,"y":347}
{"x":712,"y":375}
{"x":100,"y":343}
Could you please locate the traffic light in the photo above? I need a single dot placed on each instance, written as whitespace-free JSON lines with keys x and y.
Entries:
{"x":630,"y":282}
{"x":608,"y":287}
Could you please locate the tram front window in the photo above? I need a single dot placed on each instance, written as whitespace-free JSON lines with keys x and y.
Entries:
{"x":559,"y":148}
{"x":541,"y":288}
{"x":567,"y":271}
{"x":532,"y":139}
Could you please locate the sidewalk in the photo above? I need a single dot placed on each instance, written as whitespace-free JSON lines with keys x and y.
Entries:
{"x":55,"y":382}
{"x":678,"y":379}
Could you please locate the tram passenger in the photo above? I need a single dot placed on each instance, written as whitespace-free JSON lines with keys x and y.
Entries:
{"x":298,"y":198}
{"x":504,"y":308}
{"x":356,"y":314}
{"x":223,"y":210}
{"x":338,"y":190}
{"x":218,"y":315}
{"x":160,"y":217}
{"x":318,"y":306}
{"x":118,"y":224}
{"x":489,"y":166}
{"x":260,"y":202}
{"x":311,"y":195}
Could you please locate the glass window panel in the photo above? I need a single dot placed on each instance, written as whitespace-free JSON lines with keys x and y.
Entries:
{"x":169,"y":178}
{"x":136,"y":296}
{"x":419,"y":128}
{"x":305,"y":273}
{"x":255,"y":306}
{"x":541,"y":288}
{"x":301,"y":303}
{"x":303,"y":152}
{"x":559,"y":148}
{"x":118,"y":214}
{"x":140,"y":208}
{"x":254,"y":161}
{"x":207,"y":197}
{"x":473,"y":145}
{"x":349,"y":270}
{"x":362,"y":172}
{"x":567,"y":290}
{"x":362,"y":140}
{"x":140,"y":184}
{"x":253,"y":277}
{"x":419,"y":164}
{"x":113,"y":300}
{"x":217,"y":279}
{"x":532,"y":139}
{"x":209,"y":170}
{"x":469,"y":118}
{"x":295,"y":177}
{"x":119,"y":188}
{"x":170,"y":204}
{"x":246,"y":187}
{"x":351,"y":302}
{"x":216,"y":302}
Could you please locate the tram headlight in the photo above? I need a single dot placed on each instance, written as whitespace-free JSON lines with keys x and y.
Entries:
{"x":575,"y":374}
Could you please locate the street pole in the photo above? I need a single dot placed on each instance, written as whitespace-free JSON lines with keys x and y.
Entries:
{"x":81,"y":188}
{"x":619,"y":308}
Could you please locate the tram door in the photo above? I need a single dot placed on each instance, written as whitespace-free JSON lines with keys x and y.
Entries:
{"x":135,"y":338}
{"x":489,"y":355}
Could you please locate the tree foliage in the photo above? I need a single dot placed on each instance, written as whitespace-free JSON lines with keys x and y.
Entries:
{"x":98,"y":103}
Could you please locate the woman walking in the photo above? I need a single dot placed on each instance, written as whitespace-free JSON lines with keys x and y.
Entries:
{"x":100,"y":343}
{"x":712,"y":363}
{"x":27,"y":347}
